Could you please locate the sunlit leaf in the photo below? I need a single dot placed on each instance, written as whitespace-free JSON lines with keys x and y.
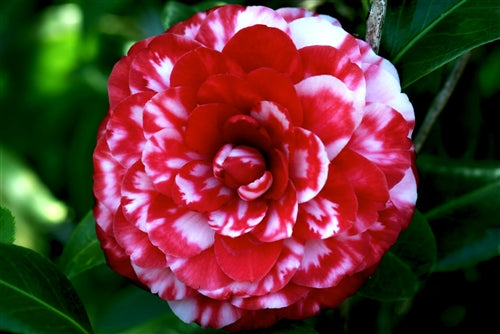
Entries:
{"x":420,"y":35}
{"x":7,"y":226}
{"x":83,"y":251}
{"x":35,"y":296}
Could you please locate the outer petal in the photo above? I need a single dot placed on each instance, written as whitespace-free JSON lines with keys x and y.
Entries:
{"x":124,"y":129}
{"x":151,"y":68}
{"x":382,"y":137}
{"x":320,"y":31}
{"x":108,"y":176}
{"x":136,"y":243}
{"x":250,"y":48}
{"x":309,"y":165}
{"x":163,"y":282}
{"x":205,"y":311}
{"x":327,"y":262}
{"x":195,"y":187}
{"x":290,"y":294}
{"x":244,"y":258}
{"x":331,"y":110}
{"x":178,"y":231}
{"x":168,"y":109}
{"x":280,"y":218}
{"x":237,"y":216}
{"x":224,"y":22}
{"x":293,"y":13}
{"x":331,"y":212}
{"x":164,"y":154}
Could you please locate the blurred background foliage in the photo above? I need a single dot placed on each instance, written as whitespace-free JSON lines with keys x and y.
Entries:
{"x":55,"y":57}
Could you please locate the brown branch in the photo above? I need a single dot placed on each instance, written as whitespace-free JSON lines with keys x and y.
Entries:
{"x":375,"y":22}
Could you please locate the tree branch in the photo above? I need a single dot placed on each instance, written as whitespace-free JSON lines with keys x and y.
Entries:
{"x":375,"y":22}
{"x":440,"y":101}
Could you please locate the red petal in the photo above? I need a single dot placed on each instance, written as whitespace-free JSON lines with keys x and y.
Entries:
{"x":245,"y":130}
{"x":151,"y":68}
{"x":309,"y":165}
{"x":228,"y":89}
{"x":222,"y":23}
{"x":108,"y":176}
{"x":124,"y":130}
{"x":168,"y":109}
{"x":331,"y":212}
{"x":205,"y":311}
{"x":200,"y":271}
{"x":276,"y":121}
{"x":196,"y":66}
{"x":204,"y":127}
{"x":196,"y":188}
{"x":178,"y":231}
{"x":245,"y":259}
{"x":164,"y":154}
{"x":327,"y":262}
{"x":331,"y":110}
{"x":189,"y":27}
{"x":278,"y":165}
{"x":136,"y":243}
{"x":280,"y":218}
{"x":164,"y":283}
{"x":237,"y":216}
{"x":290,"y":294}
{"x":319,"y":60}
{"x":382,"y":137}
{"x":278,"y":88}
{"x":261,"y":46}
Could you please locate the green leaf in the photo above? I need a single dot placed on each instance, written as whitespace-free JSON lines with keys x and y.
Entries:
{"x":7,"y":226}
{"x":423,"y":35}
{"x":36,"y":297}
{"x":174,"y":12}
{"x":482,"y":249}
{"x":394,"y":280}
{"x":83,"y":250}
{"x":416,"y":245}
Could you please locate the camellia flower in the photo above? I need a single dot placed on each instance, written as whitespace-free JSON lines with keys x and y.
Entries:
{"x":254,"y":165}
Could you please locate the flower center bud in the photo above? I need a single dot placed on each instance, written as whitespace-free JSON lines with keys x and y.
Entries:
{"x":238,"y":165}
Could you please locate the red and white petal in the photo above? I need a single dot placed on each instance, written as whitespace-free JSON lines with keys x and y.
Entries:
{"x":256,"y":188}
{"x":108,"y":176}
{"x":289,"y":295}
{"x":280,"y":218}
{"x":124,"y":129}
{"x":278,"y":88}
{"x":189,"y":28}
{"x":309,"y":165}
{"x":136,"y":243}
{"x":168,"y":109}
{"x":200,"y":271}
{"x":245,"y":130}
{"x":276,"y":120}
{"x":137,"y":193}
{"x":205,"y":311}
{"x":164,"y":283}
{"x":204,"y":127}
{"x":320,"y":31}
{"x":382,"y":137}
{"x":224,"y":22}
{"x":237,"y":216}
{"x":250,"y":47}
{"x":331,"y":212}
{"x":195,"y":187}
{"x":293,"y":13}
{"x":164,"y":154}
{"x":196,"y":66}
{"x":326,"y":262}
{"x":151,"y":68}
{"x":331,"y":110}
{"x":382,"y":82}
{"x":321,"y":59}
{"x":178,"y":231}
{"x":404,"y":196}
{"x":244,"y":258}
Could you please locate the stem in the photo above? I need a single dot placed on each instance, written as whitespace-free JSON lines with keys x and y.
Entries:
{"x":440,"y":101}
{"x":375,"y":22}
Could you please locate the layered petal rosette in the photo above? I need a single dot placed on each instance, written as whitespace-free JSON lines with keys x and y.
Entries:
{"x":254,"y":165}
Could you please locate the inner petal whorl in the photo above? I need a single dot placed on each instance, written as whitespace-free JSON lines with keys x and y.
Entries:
{"x":238,"y":165}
